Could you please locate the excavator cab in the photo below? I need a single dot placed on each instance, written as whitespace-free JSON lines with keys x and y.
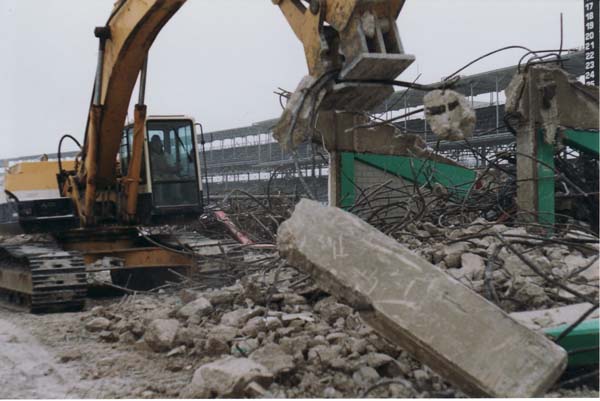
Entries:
{"x":170,"y":177}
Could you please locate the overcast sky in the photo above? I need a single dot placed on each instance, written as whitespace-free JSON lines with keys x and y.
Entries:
{"x":220,"y":60}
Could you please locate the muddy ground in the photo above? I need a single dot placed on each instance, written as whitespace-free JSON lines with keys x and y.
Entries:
{"x":53,"y":356}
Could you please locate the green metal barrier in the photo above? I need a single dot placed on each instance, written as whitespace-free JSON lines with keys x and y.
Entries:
{"x":545,"y":184}
{"x":584,"y":141}
{"x":581,"y":343}
{"x":457,"y":180}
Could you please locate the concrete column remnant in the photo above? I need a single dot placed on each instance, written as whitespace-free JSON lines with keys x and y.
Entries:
{"x":544,"y":101}
{"x":463,"y":337}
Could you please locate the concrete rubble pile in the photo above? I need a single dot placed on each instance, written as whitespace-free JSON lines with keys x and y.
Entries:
{"x":478,"y":257}
{"x":262,"y":339}
{"x":279,"y":332}
{"x":489,"y":250}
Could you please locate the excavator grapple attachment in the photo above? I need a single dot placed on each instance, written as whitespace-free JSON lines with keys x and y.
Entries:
{"x":352,"y":49}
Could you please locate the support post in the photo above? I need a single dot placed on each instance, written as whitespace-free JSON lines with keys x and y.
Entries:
{"x":335,"y":178}
{"x":527,"y":139}
{"x":545,"y":100}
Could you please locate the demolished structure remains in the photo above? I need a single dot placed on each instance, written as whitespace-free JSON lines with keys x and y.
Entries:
{"x":424,"y":276}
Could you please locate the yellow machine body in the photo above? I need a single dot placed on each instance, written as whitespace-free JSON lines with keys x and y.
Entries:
{"x":34,"y":180}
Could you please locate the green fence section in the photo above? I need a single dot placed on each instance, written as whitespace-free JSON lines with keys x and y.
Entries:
{"x":457,"y":180}
{"x":545,"y":183}
{"x":581,"y":343}
{"x":348,"y":189}
{"x":584,"y":141}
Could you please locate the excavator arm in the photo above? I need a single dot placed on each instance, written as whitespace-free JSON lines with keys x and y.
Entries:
{"x":342,"y":39}
{"x":124,"y":44}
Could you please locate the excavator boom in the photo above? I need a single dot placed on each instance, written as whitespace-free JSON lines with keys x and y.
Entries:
{"x":127,"y":37}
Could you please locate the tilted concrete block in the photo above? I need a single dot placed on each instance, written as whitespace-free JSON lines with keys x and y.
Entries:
{"x":463,"y":337}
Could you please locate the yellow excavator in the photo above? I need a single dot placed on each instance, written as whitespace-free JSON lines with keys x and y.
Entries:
{"x":148,"y":173}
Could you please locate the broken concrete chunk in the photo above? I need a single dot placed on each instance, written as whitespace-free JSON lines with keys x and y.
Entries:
{"x":274,"y":358}
{"x":109,"y":336}
{"x":473,"y":266}
{"x":395,"y":368}
{"x":305,"y":317}
{"x":376,"y":359}
{"x":177,"y":351}
{"x":97,"y":324}
{"x":221,"y":297}
{"x":324,"y":354}
{"x":421,"y":376}
{"x":331,"y":310}
{"x":295,"y":125}
{"x":254,"y":326}
{"x":98,"y":311}
{"x":273,"y":323}
{"x":239,"y":317}
{"x":530,"y":293}
{"x":543,"y":319}
{"x":186,"y":336}
{"x":227,"y":377}
{"x":244,"y":347}
{"x":358,"y":346}
{"x":215,"y":347}
{"x":187,"y":296}
{"x":452,"y":254}
{"x":449,"y":115}
{"x":365,"y":375}
{"x":592,"y":274}
{"x":318,"y":340}
{"x":575,"y":262}
{"x":418,"y":307}
{"x":222,"y":332}
{"x":336,"y":338}
{"x":515,"y":266}
{"x":294,"y":345}
{"x":255,"y":390}
{"x":289,"y":299}
{"x":161,"y":333}
{"x":198,"y":307}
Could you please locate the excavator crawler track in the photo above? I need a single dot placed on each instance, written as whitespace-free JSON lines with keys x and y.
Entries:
{"x":42,"y":277}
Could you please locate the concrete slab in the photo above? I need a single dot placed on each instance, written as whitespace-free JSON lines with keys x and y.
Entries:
{"x":463,"y":337}
{"x":542,"y":319}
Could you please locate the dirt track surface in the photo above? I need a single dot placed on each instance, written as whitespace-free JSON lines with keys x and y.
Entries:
{"x":27,"y":369}
{"x":52,"y":356}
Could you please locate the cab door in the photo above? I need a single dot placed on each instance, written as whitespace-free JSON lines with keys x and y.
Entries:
{"x":173,"y":163}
